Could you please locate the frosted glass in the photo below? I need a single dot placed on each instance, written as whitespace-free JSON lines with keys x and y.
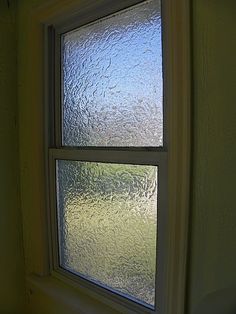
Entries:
{"x":107,"y":220}
{"x":112,"y":80}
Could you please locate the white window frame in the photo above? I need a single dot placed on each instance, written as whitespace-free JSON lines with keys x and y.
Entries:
{"x":131,"y":155}
{"x":172,"y":243}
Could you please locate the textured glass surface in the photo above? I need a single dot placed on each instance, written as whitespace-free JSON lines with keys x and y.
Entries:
{"x":107,"y":216}
{"x":112,"y":80}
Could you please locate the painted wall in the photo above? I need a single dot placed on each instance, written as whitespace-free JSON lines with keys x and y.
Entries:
{"x":213,"y":211}
{"x":12,"y":290}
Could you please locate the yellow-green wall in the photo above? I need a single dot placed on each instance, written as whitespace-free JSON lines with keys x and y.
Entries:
{"x":213,"y":208}
{"x":12,"y":290}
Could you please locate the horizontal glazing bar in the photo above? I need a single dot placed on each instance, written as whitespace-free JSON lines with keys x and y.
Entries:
{"x":114,"y":148}
{"x":112,"y":156}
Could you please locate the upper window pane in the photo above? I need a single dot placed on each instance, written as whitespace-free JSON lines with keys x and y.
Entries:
{"x":112,"y":80}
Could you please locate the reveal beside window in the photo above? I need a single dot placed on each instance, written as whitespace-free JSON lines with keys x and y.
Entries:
{"x":110,"y":158}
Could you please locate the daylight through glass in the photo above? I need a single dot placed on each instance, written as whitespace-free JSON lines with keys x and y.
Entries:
{"x":107,"y":222}
{"x":112,"y":80}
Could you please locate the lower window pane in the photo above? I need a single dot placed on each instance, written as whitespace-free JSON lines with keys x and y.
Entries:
{"x":107,"y":224}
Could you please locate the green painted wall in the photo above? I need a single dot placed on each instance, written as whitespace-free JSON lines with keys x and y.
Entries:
{"x":12,"y":291}
{"x":212,"y":285}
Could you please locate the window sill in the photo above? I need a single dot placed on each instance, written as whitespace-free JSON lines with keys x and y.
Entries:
{"x":50,"y":295}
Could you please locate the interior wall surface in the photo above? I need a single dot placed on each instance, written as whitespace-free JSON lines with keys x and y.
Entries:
{"x":12,"y":287}
{"x":212,"y":249}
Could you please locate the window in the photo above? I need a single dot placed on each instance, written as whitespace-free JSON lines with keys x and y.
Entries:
{"x":109,"y":151}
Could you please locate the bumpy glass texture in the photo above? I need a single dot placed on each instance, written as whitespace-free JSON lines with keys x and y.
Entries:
{"x":112,"y":80}
{"x":107,"y":222}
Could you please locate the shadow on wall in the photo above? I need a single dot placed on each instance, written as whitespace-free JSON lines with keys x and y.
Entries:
{"x":218,"y":302}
